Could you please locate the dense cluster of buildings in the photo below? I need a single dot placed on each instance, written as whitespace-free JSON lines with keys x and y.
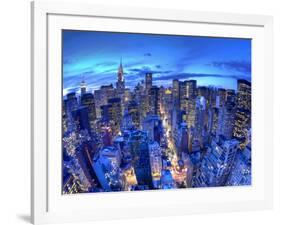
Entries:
{"x":151,"y":137}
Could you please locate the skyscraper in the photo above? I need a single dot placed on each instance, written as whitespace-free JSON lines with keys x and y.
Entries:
{"x":83,"y":87}
{"x":213,"y":120}
{"x":243,"y":113}
{"x":106,"y":165}
{"x":148,"y":82}
{"x":138,"y":144}
{"x":191,"y":87}
{"x":154,"y":103}
{"x":227,"y":119}
{"x":217,"y":163}
{"x":81,"y":119}
{"x":102,"y":95}
{"x":84,"y":156}
{"x":176,"y":94}
{"x":120,"y":84}
{"x":155,"y":162}
{"x":133,"y":111}
{"x":222,"y":96}
{"x":71,"y":102}
{"x":153,"y":126}
{"x":116,"y":112}
{"x":183,"y":94}
{"x":182,"y":142}
{"x":87,"y":99}
{"x":200,"y":116}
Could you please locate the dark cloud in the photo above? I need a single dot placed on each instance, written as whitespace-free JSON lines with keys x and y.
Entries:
{"x":158,"y":66}
{"x":146,"y":69}
{"x":147,"y":54}
{"x":180,"y":76}
{"x":239,"y":66}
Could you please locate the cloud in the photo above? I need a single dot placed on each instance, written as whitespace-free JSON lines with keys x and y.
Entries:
{"x":239,"y":66}
{"x":147,"y":54}
{"x":180,"y":76}
{"x":146,"y":69}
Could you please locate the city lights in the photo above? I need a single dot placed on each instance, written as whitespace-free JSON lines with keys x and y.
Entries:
{"x":145,"y":135}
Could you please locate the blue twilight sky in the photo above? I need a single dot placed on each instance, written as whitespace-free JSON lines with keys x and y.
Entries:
{"x":96,"y":57}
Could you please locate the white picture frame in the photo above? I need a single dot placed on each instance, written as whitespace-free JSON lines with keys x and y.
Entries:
{"x":47,"y":203}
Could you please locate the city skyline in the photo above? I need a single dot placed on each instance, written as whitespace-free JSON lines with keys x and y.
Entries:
{"x":132,"y":128}
{"x":94,"y":57}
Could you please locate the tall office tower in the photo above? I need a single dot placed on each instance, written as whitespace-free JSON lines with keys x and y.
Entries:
{"x":138,"y":144}
{"x":106,"y":112}
{"x":143,"y":106}
{"x":183,"y":94}
{"x":64,"y":118}
{"x":154,"y":100}
{"x":153,"y":126}
{"x":190,"y":138}
{"x":127,"y":122}
{"x":84,"y":156}
{"x":99,"y":101}
{"x":161,"y":99}
{"x":71,"y":184}
{"x":244,"y":95}
{"x":133,"y":110}
{"x":71,"y":103}
{"x":155,"y":162}
{"x":148,"y":86}
{"x":116,"y":113}
{"x":176,"y":106}
{"x":83,"y":87}
{"x":176,"y":94}
{"x":241,"y":169}
{"x":226,"y":119}
{"x":106,"y":136}
{"x":189,"y":171}
{"x":88,"y":100}
{"x":138,"y":91}
{"x":101,"y":97}
{"x":81,"y":119}
{"x":168,"y":106}
{"x":120,"y":84}
{"x":204,"y":92}
{"x":230,"y":95}
{"x":191,"y":86}
{"x":182,"y":140}
{"x":213,"y":120}
{"x":191,"y":112}
{"x":213,"y":97}
{"x":67,"y":119}
{"x":148,"y":82}
{"x":128,"y":95}
{"x":243,"y":112}
{"x":200,"y":116}
{"x":80,"y":174}
{"x":106,"y":165}
{"x":222,"y":96}
{"x":216,"y":163}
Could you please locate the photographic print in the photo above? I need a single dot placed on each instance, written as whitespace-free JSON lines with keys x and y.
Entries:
{"x":154,"y":111}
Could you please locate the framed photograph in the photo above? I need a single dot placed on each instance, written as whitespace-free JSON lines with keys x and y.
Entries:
{"x":145,"y":112}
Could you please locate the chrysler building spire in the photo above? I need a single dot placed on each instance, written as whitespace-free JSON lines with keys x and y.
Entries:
{"x":120,"y":71}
